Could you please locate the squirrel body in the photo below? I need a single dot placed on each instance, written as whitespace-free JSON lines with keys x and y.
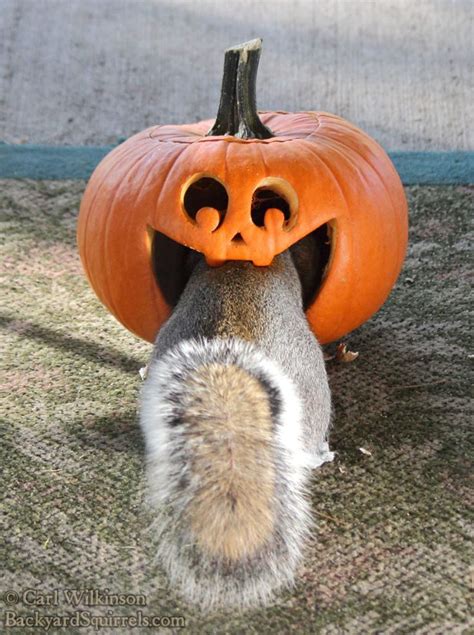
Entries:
{"x":235,"y":412}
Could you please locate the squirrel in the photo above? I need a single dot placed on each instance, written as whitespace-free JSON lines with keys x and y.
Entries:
{"x":235,"y":412}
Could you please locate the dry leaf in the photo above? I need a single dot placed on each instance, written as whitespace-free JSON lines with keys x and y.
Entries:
{"x":364,"y":451}
{"x":343,"y":355}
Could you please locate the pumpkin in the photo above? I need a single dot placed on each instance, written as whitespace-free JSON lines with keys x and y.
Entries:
{"x":246,"y":186}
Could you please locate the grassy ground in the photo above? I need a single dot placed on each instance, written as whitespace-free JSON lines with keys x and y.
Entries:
{"x":390,"y":552}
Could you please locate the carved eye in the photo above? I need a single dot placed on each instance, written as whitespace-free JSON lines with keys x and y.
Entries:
{"x":264,"y":199}
{"x":206,"y":202}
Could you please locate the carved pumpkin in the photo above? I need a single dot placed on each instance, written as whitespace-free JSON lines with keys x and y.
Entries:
{"x":245,"y":190}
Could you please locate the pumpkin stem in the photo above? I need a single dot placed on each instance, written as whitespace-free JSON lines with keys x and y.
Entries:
{"x":237,"y":114}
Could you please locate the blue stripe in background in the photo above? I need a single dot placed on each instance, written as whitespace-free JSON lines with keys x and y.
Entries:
{"x":78,"y":162}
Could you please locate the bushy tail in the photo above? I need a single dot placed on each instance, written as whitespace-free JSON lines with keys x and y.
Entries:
{"x":227,"y":471}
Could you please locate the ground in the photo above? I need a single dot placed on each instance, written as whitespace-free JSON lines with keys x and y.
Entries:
{"x":390,"y":548}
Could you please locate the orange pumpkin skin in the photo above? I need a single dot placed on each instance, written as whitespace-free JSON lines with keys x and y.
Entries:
{"x":328,"y":170}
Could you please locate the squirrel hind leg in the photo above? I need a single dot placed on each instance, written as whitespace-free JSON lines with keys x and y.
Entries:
{"x":321,"y":456}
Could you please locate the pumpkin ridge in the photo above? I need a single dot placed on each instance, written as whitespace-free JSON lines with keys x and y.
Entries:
{"x":170,"y":169}
{"x":262,"y":159}
{"x":233,"y":211}
{"x":349,"y":156}
{"x":118,"y":156}
{"x":336,"y":320}
{"x":401,"y":241}
{"x":106,"y":231}
{"x":226,"y":164}
{"x":121,"y":152}
{"x":353,"y":151}
{"x":142,"y":186}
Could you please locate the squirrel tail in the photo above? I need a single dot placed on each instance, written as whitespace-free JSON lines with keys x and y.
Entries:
{"x":226,"y":470}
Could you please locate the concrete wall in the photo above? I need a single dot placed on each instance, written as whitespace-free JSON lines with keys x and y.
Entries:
{"x":90,"y":71}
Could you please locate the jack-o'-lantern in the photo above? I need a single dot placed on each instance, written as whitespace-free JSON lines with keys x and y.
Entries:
{"x":245,"y":187}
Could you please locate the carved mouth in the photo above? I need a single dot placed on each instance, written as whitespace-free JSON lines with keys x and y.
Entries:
{"x":172,"y":266}
{"x":311,"y":258}
{"x":173,"y":263}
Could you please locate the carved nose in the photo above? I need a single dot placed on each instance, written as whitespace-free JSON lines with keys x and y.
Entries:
{"x":238,"y":238}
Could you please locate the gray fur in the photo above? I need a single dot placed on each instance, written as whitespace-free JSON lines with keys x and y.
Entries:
{"x":253,"y":317}
{"x":261,"y":305}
